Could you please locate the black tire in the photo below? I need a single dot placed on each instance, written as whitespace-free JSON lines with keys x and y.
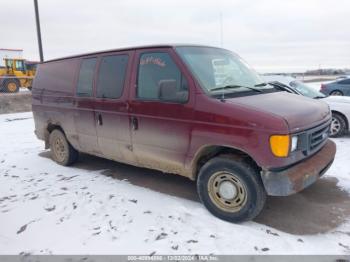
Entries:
{"x":338,"y":126}
{"x":11,"y":86}
{"x":61,"y":150}
{"x":336,"y":93}
{"x":248,"y":176}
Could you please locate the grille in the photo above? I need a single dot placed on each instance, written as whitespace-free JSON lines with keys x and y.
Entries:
{"x":316,"y":137}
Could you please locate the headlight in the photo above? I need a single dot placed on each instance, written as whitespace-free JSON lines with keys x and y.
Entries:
{"x":280,"y":145}
{"x":294,"y":144}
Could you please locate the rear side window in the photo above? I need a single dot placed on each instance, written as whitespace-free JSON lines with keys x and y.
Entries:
{"x":160,"y":79}
{"x":86,"y":77}
{"x":111,"y":76}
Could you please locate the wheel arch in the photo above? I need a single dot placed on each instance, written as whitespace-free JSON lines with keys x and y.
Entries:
{"x":64,"y":154}
{"x":49,"y":128}
{"x":336,"y":90}
{"x":208,"y":152}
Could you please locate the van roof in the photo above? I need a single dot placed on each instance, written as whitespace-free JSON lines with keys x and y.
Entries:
{"x":128,"y":48}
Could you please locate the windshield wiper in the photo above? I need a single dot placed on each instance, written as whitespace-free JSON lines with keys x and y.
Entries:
{"x":234,"y":86}
{"x":261,"y":84}
{"x":276,"y":83}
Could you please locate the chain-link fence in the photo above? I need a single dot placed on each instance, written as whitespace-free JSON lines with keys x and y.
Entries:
{"x":12,"y":85}
{"x":15,"y":102}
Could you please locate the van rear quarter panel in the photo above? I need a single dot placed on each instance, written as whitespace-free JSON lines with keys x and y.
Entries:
{"x":53,"y":97}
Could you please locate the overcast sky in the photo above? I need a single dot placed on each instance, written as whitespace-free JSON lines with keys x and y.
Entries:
{"x":271,"y":35}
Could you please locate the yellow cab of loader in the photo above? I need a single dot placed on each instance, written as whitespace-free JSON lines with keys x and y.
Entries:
{"x":15,"y":74}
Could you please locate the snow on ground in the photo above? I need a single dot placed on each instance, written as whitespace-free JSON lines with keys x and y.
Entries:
{"x":49,"y":209}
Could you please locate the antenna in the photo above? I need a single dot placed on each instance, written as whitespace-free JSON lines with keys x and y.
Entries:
{"x":221,"y":44}
{"x":221,"y":31}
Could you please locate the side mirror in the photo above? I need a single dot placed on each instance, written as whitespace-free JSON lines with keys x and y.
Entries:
{"x":168,"y":91}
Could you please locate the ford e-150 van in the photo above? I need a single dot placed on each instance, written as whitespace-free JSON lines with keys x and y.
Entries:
{"x":197,"y":111}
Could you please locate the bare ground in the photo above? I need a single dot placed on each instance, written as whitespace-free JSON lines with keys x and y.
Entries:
{"x":18,"y":102}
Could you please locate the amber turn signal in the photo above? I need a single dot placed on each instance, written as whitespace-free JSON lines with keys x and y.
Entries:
{"x":280,"y":145}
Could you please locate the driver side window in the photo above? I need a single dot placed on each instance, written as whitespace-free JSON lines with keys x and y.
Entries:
{"x":160,"y":79}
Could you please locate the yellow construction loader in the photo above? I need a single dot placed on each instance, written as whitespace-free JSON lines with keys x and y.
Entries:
{"x":15,"y":74}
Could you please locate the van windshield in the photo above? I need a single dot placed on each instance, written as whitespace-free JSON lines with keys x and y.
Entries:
{"x":221,"y":71}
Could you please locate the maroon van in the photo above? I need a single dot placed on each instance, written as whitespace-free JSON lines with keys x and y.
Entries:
{"x":196,"y":111}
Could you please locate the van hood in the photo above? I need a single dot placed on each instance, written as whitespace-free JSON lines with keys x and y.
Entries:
{"x":299,"y":112}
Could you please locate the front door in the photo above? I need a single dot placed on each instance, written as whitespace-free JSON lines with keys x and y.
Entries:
{"x":161,"y":110}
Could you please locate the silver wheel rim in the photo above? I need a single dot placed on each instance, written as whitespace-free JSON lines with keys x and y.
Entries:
{"x":59,"y":148}
{"x":227,"y":192}
{"x":336,"y":93}
{"x":335,"y":126}
{"x":12,"y":87}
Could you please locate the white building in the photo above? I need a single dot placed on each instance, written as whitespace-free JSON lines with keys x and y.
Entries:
{"x":9,"y":53}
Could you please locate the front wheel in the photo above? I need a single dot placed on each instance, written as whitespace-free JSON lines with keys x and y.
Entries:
{"x":231,"y":188}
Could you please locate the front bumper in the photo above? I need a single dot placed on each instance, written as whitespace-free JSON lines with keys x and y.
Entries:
{"x":296,"y":178}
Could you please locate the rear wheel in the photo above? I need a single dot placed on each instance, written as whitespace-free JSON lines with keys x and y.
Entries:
{"x":338,"y":125}
{"x":231,"y":189}
{"x":11,"y":86}
{"x":61,"y":150}
{"x":336,"y":93}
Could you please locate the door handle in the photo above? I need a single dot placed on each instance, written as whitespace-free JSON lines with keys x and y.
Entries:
{"x":99,"y":120}
{"x":134,"y":123}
